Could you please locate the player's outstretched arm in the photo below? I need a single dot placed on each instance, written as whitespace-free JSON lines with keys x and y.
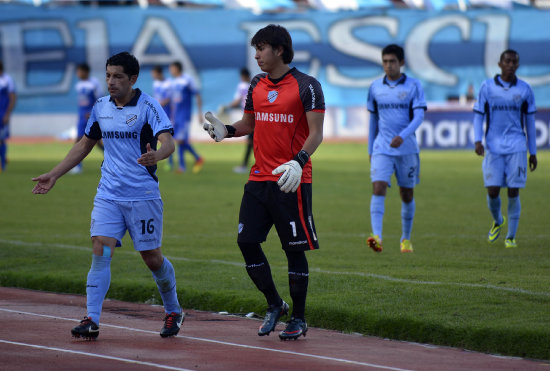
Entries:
{"x":80,"y":150}
{"x":151,"y":157}
{"x":219,"y":131}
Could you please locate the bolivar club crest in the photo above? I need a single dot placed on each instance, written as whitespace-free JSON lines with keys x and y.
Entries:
{"x":517,"y":98}
{"x":403,"y":95}
{"x":272,"y":96}
{"x":131,"y":120}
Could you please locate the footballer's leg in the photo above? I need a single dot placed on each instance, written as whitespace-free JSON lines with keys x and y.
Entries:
{"x":407,"y":172}
{"x":254,"y":224}
{"x":382,"y":168}
{"x":493,"y":177}
{"x":516,"y":177}
{"x":514,"y":211}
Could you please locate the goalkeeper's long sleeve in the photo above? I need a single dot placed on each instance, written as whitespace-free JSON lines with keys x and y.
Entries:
{"x":478,"y":126}
{"x":531,"y":133}
{"x":418,"y":117}
{"x":373,"y":130}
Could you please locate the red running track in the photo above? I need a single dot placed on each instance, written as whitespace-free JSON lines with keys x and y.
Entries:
{"x":35,"y":334}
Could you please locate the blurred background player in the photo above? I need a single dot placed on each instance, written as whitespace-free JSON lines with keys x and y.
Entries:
{"x":184,"y":89}
{"x":396,"y":104}
{"x":128,"y":196}
{"x":285,"y":108}
{"x":239,"y":101}
{"x":162,"y":92}
{"x":88,"y":90}
{"x":509,"y":105}
{"x":7,"y":103}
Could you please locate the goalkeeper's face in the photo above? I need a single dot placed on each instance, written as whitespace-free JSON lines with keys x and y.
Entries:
{"x":119,"y":83}
{"x":268,"y":58}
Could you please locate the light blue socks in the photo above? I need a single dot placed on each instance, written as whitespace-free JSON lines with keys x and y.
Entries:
{"x":377,"y":214}
{"x":407,"y":216}
{"x":165,"y":278}
{"x":494,"y":207}
{"x":99,"y":279}
{"x":514,"y":210}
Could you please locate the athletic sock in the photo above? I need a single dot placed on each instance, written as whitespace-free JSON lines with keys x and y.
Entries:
{"x":407,"y":217}
{"x":494,"y":207}
{"x":377,"y":214}
{"x":99,"y":279}
{"x":187,"y":146}
{"x":259,"y":271}
{"x":3,"y":148}
{"x":298,"y":279}
{"x":181,"y":156}
{"x":165,"y":278}
{"x":514,"y":211}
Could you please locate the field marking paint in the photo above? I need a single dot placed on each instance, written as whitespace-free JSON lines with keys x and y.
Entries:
{"x":87,"y":354}
{"x":318,"y":270}
{"x":326,"y":358}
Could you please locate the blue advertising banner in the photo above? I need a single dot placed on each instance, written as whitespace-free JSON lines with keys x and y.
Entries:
{"x":448,"y":51}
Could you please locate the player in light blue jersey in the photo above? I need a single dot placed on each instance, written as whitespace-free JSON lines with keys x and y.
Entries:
{"x":184,"y":89}
{"x":7,"y":103}
{"x":508,"y":106}
{"x":396,"y":104}
{"x":162,"y":91}
{"x":88,"y":91}
{"x":128,"y":197}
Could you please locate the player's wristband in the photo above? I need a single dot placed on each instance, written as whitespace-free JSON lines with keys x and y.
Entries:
{"x":230,"y":131}
{"x":302,"y":158}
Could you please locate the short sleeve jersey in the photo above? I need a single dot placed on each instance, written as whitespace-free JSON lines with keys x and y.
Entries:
{"x":88,"y":92}
{"x":163,"y":90}
{"x":125,"y":132}
{"x":242,"y":92}
{"x":505,"y":106}
{"x":281,"y":126}
{"x":394,"y":104}
{"x":7,"y":86}
{"x":183,"y":90}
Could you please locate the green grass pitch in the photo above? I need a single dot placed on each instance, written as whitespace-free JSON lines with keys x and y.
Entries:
{"x":455,"y":289}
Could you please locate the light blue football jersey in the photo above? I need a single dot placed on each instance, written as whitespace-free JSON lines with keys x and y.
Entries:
{"x":163,"y":90}
{"x":183,"y":90}
{"x":88,"y":92}
{"x":505,"y":106}
{"x":7,"y":86}
{"x":125,"y":132}
{"x":394,"y":103}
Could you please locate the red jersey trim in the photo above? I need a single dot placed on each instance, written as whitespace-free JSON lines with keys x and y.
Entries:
{"x":317,"y":110}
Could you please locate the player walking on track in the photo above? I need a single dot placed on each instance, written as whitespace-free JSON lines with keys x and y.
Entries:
{"x":396,"y":104}
{"x":508,"y":104}
{"x":285,"y":109}
{"x":7,"y":103}
{"x":128,"y":197}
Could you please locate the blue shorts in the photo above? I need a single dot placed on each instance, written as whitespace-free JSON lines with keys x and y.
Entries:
{"x":181,"y":131}
{"x":142,"y":219}
{"x":508,"y":170}
{"x":81,"y":127}
{"x":4,"y":132}
{"x":405,"y":167}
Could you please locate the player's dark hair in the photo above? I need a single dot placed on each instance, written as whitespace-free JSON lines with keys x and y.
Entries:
{"x":129,"y":63}
{"x":395,"y":50}
{"x":508,"y":51}
{"x":157,"y":68}
{"x":84,"y":67}
{"x":178,"y":65}
{"x":276,"y":36}
{"x":245,"y":72}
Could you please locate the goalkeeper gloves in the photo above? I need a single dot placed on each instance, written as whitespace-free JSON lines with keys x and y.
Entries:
{"x":216,"y":129}
{"x":292,"y":172}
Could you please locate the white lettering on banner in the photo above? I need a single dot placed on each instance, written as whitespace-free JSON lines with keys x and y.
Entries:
{"x":299,"y":55}
{"x":97,"y":45}
{"x":418,"y":42}
{"x":341,"y":37}
{"x":176,"y":51}
{"x":16,"y":58}
{"x":496,"y":40}
{"x":543,"y":137}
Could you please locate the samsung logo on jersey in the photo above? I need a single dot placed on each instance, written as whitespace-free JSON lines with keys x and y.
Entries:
{"x":119,"y":135}
{"x":393,"y":106}
{"x":274,"y":117}
{"x":504,"y":107}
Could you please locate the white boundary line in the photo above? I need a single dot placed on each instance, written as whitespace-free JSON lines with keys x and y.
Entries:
{"x":340,"y":360}
{"x":94,"y":355}
{"x":323,"y":271}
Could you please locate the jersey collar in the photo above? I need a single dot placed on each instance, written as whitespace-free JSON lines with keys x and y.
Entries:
{"x":401,"y":80}
{"x":276,"y":81}
{"x":497,"y":81}
{"x":132,"y":102}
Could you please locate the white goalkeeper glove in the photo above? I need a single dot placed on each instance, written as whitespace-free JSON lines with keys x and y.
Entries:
{"x":215,"y":128}
{"x":292,"y":172}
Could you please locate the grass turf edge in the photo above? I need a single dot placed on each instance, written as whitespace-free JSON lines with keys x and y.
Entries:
{"x":526,"y":344}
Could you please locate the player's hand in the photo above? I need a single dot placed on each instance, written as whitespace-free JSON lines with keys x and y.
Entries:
{"x":396,"y":142}
{"x":533,"y":162}
{"x":45,"y":183}
{"x":215,"y":128}
{"x":291,"y":178}
{"x":149,"y":158}
{"x":480,"y":150}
